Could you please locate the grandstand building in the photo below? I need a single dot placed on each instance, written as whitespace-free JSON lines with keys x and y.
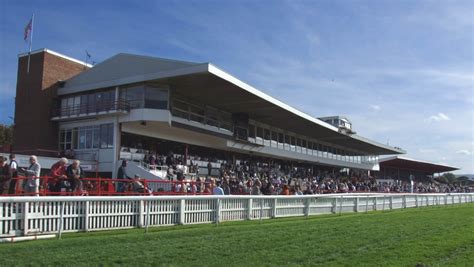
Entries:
{"x":403,"y":168}
{"x":130,"y":104}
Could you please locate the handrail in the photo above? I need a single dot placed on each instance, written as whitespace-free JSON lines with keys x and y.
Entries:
{"x":196,"y":197}
{"x":85,"y":109}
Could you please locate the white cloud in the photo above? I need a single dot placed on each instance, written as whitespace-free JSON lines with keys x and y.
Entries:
{"x":427,"y":151}
{"x":439,"y":117}
{"x":375,"y":107}
{"x":464,"y":152}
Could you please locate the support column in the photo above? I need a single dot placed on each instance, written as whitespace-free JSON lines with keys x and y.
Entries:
{"x":116,"y":148}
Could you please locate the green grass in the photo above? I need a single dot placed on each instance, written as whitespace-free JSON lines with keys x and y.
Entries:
{"x":432,"y":236}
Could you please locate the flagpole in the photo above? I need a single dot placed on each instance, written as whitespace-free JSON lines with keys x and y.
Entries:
{"x":31,"y":42}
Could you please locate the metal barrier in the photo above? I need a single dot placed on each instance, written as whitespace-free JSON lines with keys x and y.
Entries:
{"x":26,"y":216}
{"x":49,"y":186}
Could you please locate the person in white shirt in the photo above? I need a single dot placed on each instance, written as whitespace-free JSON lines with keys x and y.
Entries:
{"x":13,"y":174}
{"x":33,"y":174}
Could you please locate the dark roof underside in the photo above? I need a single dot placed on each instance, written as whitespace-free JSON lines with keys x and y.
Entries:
{"x":408,"y":164}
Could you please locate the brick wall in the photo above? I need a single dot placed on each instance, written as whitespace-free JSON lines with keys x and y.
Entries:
{"x":36,"y":91}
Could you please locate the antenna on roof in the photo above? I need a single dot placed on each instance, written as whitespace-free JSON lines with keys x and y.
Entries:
{"x":88,"y":57}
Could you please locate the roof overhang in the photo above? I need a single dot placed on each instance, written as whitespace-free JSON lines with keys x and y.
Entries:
{"x":207,"y":84}
{"x":405,"y":163}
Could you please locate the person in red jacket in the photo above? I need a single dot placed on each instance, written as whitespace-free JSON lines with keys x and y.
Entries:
{"x":58,"y":176}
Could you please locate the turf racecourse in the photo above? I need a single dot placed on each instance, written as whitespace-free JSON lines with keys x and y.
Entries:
{"x":430,"y":236}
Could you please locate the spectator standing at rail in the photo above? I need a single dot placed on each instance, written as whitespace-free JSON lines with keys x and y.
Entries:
{"x":218,"y":189}
{"x":256,"y":188}
{"x":33,"y":173}
{"x":58,"y":176}
{"x":13,"y":174}
{"x":4,"y":175}
{"x":122,"y":175}
{"x":75,"y":174}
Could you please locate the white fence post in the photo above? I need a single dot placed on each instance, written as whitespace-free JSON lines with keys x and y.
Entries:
{"x":306,"y":207}
{"x":182,"y":207}
{"x":86,"y":216}
{"x":366,"y":204}
{"x":404,"y":203}
{"x":391,"y":202}
{"x":274,"y":208}
{"x":147,"y":219}
{"x":249,"y":209}
{"x":334,"y":205}
{"x":26,"y":218}
{"x":356,"y":208}
{"x":218,"y":210}
{"x":61,"y":220}
{"x":416,"y":201}
{"x":141,"y":213}
{"x":340,"y":205}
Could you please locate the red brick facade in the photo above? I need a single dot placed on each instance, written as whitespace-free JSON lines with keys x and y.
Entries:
{"x":34,"y":132}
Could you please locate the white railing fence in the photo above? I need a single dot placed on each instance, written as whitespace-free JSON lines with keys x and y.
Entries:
{"x":24,"y":216}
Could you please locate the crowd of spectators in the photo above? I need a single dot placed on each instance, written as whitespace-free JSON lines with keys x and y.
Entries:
{"x":280,"y":178}
{"x":215,"y":176}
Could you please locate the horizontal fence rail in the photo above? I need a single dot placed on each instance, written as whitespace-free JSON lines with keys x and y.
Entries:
{"x":31,"y":216}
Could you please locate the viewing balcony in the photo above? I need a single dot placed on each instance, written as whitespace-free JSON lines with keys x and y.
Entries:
{"x":90,"y":110}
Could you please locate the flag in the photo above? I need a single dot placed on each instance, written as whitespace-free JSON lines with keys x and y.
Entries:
{"x":28,"y":29}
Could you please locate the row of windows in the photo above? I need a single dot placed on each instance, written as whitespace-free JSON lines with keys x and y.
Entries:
{"x":144,"y":96}
{"x":202,"y":114}
{"x":88,"y":137}
{"x":88,"y":103}
{"x":141,"y":96}
{"x":267,"y":137}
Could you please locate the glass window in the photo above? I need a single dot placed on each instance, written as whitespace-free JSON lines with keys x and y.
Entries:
{"x":156,"y":98}
{"x":110,"y":135}
{"x":82,"y":138}
{"x":251,"y":131}
{"x":88,"y":137}
{"x":287,"y":139}
{"x":135,"y":96}
{"x":275,"y":136}
{"x":280,"y":138}
{"x":267,"y":134}
{"x":259,"y":132}
{"x":95,"y":137}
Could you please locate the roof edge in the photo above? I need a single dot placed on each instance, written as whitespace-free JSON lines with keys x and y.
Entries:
{"x":49,"y":51}
{"x":416,"y":160}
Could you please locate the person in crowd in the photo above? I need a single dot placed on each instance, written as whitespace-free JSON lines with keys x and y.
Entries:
{"x":209,"y":168}
{"x":121,"y":176}
{"x":75,"y":173}
{"x":218,"y":189}
{"x":13,"y":174}
{"x":138,"y":186}
{"x":31,"y":186}
{"x":5,"y":176}
{"x":256,"y":188}
{"x":225,"y":186}
{"x":58,"y":176}
{"x":169,"y":159}
{"x":285,"y":191}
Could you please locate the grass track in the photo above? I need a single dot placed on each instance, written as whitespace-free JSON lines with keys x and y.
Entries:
{"x":431,"y":236}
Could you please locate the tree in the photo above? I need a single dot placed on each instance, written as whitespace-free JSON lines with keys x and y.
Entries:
{"x":6,"y":134}
{"x":449,"y":178}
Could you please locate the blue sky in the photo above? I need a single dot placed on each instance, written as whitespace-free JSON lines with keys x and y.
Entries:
{"x":402,"y":71}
